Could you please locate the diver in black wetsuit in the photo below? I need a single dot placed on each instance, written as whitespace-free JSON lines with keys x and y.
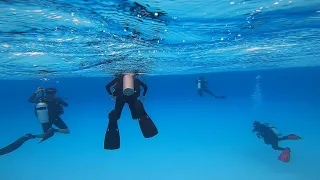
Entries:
{"x":121,"y":99}
{"x":55,"y":109}
{"x":202,"y":87}
{"x":269,"y":135}
{"x":147,"y":127}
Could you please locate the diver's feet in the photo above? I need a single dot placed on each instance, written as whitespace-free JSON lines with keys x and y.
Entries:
{"x":293,"y":137}
{"x":49,"y":134}
{"x":285,"y":156}
{"x":147,"y":127}
{"x":30,"y":136}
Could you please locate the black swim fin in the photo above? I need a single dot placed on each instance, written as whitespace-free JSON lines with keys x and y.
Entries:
{"x":48,"y":134}
{"x":15,"y":145}
{"x":112,"y":136}
{"x":147,"y":127}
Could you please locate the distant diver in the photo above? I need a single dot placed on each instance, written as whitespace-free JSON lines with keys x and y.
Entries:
{"x":271,"y":137}
{"x":127,"y":90}
{"x":48,"y":110}
{"x":202,"y":87}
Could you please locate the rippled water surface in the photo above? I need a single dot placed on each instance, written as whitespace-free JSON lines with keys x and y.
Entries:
{"x":43,"y":39}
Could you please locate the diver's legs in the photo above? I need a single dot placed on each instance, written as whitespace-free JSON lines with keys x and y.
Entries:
{"x":45,"y":128}
{"x":120,"y":102}
{"x":209,"y":92}
{"x":63,"y":128}
{"x":200,"y":93}
{"x":276,"y":147}
{"x":283,"y":138}
{"x":290,"y":137}
{"x":132,"y":106}
{"x":39,"y":136}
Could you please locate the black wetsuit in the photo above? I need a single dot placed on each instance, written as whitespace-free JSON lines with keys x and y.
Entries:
{"x":204,"y":87}
{"x":269,"y":137}
{"x":121,"y":99}
{"x":54,"y":111}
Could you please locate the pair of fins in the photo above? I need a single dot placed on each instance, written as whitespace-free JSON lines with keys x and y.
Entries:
{"x":112,"y":136}
{"x":285,"y":156}
{"x":19,"y":142}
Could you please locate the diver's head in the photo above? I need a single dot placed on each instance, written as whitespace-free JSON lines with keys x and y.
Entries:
{"x":255,"y":123}
{"x":256,"y":126}
{"x":51,"y":93}
{"x":201,"y":78}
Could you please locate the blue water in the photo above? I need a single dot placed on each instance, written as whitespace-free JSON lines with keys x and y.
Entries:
{"x":199,"y":138}
{"x":45,"y":39}
{"x":262,"y":54}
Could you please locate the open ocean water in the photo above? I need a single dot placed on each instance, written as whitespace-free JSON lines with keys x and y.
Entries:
{"x":262,"y":55}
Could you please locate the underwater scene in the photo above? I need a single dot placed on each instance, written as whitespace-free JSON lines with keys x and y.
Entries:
{"x":159,"y":90}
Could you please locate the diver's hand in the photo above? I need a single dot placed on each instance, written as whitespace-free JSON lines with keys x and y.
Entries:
{"x":112,"y":97}
{"x":143,"y":98}
{"x":39,"y":89}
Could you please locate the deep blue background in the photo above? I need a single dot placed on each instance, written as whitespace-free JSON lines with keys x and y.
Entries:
{"x":199,"y":137}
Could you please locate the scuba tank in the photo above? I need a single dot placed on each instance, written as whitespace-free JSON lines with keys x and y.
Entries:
{"x":41,"y":110}
{"x":128,"y":84}
{"x":199,"y":84}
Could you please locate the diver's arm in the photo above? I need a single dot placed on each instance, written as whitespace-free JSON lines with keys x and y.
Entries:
{"x":145,"y":87}
{"x":33,"y":98}
{"x":108,"y":86}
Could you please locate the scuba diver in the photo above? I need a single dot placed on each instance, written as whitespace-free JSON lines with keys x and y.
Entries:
{"x":48,"y":110}
{"x":127,"y":90}
{"x":202,"y":87}
{"x":270,"y":135}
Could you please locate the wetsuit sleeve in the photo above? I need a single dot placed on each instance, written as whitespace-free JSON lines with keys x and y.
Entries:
{"x":33,"y":98}
{"x":145,"y":87}
{"x":108,"y":86}
{"x":62,"y":102}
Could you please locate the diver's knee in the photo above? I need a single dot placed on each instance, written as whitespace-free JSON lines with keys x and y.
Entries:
{"x":114,"y":115}
{"x":275,"y":147}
